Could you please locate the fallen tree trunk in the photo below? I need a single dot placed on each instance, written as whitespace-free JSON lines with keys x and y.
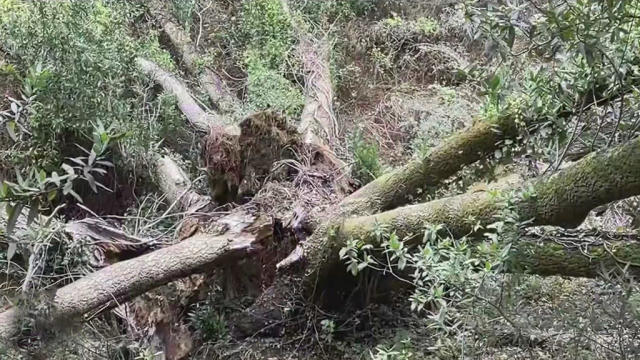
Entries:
{"x":127,"y":279}
{"x":197,"y":117}
{"x":406,"y":183}
{"x":577,"y":253}
{"x":563,"y":199}
{"x":177,"y":187}
{"x":318,"y":123}
{"x":215,"y":87}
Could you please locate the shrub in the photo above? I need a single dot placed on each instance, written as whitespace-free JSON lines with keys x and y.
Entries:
{"x":88,"y":59}
{"x":366,"y":159}
{"x":267,"y":30}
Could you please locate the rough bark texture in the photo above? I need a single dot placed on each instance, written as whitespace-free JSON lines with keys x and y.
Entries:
{"x":579,"y":253}
{"x":127,"y":279}
{"x":110,"y":244}
{"x":215,"y":87}
{"x":563,"y":199}
{"x":318,"y":123}
{"x":386,"y":192}
{"x":404,"y":184}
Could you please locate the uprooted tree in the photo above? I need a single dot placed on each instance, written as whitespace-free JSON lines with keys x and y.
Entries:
{"x":242,"y":152}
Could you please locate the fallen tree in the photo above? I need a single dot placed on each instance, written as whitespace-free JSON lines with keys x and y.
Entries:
{"x":125,"y":280}
{"x":592,"y":180}
{"x":238,"y":157}
{"x":243,"y":153}
{"x":201,"y":120}
{"x":563,"y":199}
{"x":219,"y":94}
{"x":177,"y":187}
{"x":318,"y":122}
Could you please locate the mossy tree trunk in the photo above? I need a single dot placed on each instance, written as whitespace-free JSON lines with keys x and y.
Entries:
{"x":563,"y":199}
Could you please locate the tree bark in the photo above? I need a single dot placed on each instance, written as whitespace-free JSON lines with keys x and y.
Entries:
{"x":563,"y":199}
{"x":197,"y":117}
{"x":127,"y":279}
{"x":177,"y":187}
{"x":318,"y":123}
{"x":406,"y":183}
{"x":577,"y":253}
{"x":215,"y":87}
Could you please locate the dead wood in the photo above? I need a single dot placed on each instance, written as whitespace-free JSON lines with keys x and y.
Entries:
{"x":125,"y":280}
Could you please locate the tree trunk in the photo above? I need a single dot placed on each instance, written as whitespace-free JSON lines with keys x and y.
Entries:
{"x":127,"y":279}
{"x":578,"y":253}
{"x":318,"y":123}
{"x":563,"y":199}
{"x":177,"y":187}
{"x":215,"y":87}
{"x":198,"y":118}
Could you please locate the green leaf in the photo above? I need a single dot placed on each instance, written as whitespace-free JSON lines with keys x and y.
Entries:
{"x":494,"y":82}
{"x":4,"y":190}
{"x":42,"y":176}
{"x":13,"y":212}
{"x":19,"y":178}
{"x":68,"y":169}
{"x":92,"y":157}
{"x":511,"y":36}
{"x":55,"y":178}
{"x":91,"y":180}
{"x":362,"y":266}
{"x":33,"y":211}
{"x":11,"y":129}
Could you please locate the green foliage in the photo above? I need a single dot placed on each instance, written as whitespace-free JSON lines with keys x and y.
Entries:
{"x":393,"y":22}
{"x":402,"y":350}
{"x":209,"y":322}
{"x":588,"y":51}
{"x":150,"y":49}
{"x":38,"y":190}
{"x":423,"y":25}
{"x":268,"y":88}
{"x":446,"y":272}
{"x":81,"y":64}
{"x":366,"y":158}
{"x":183,"y":11}
{"x":329,"y":11}
{"x":328,"y":328}
{"x":268,"y":29}
{"x":427,"y":26}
